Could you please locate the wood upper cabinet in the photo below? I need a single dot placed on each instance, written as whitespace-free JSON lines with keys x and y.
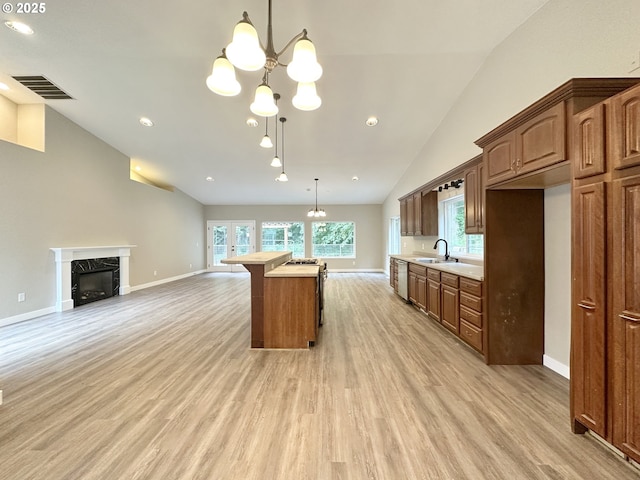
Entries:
{"x":429,"y":213}
{"x":410,"y":216}
{"x":625,"y":133}
{"x":474,"y":199}
{"x":417,"y":213}
{"x":589,"y":312}
{"x":588,"y":142}
{"x":626,"y":308}
{"x":537,"y":143}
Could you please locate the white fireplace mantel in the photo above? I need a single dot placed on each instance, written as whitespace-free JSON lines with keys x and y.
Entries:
{"x":64,"y":257}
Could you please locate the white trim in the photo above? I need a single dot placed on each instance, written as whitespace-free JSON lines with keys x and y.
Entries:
{"x":166,"y":280}
{"x":64,"y":257}
{"x":556,"y":366}
{"x":26,"y":316}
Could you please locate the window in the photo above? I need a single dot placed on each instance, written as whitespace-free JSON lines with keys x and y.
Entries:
{"x":394,"y":235}
{"x":333,"y":239}
{"x":283,"y":236}
{"x":452,"y":228}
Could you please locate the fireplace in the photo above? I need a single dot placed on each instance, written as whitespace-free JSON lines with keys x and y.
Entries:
{"x":94,"y":279}
{"x":66,"y":281}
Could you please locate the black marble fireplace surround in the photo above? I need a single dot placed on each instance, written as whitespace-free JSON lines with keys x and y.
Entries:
{"x":94,"y":279}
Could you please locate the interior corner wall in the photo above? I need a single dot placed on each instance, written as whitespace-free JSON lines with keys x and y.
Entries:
{"x":78,"y":193}
{"x":369,"y":241}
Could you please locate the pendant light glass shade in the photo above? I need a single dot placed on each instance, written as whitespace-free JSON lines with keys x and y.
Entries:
{"x":316,"y":212}
{"x":306,"y":97}
{"x":282,"y":178}
{"x":276,"y":162}
{"x":304,"y":66}
{"x":244,"y":51}
{"x":266,"y":142}
{"x":263,"y":103}
{"x":223,"y":78}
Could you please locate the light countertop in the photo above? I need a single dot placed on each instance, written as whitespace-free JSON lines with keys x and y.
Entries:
{"x":468,"y":270}
{"x":294,"y":271}
{"x":259,"y":258}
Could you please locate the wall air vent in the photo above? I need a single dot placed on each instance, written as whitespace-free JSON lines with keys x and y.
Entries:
{"x":43,"y":87}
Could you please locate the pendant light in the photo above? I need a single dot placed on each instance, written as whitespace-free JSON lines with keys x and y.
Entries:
{"x":316,"y":212}
{"x":283,"y":176}
{"x":276,"y":160}
{"x":266,"y":140}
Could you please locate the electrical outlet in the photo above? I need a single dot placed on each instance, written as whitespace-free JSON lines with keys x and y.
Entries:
{"x":190,"y":266}
{"x":155,"y":273}
{"x":423,"y":246}
{"x":21,"y":297}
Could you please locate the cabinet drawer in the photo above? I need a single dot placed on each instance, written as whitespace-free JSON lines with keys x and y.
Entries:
{"x":471,"y":301}
{"x":471,"y":335}
{"x":418,"y":269}
{"x":470,"y":316}
{"x":433,"y":275}
{"x":449,"y":279}
{"x":474,"y":287}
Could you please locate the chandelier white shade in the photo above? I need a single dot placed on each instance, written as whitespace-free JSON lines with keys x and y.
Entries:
{"x":247,"y":53}
{"x":263,"y":102}
{"x":304,"y":67}
{"x":266,"y":142}
{"x":306,"y":97}
{"x":276,"y":162}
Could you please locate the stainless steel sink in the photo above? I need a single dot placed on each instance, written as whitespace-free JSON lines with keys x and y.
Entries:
{"x":427,"y":260}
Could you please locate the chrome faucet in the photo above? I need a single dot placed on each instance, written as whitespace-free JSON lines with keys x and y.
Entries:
{"x":446,"y":248}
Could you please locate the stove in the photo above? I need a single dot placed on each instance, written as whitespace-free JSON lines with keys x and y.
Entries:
{"x":304,"y":261}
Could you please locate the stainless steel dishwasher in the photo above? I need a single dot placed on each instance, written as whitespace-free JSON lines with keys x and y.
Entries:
{"x":403,"y":279}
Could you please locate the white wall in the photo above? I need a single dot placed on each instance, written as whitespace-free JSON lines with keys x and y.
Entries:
{"x":563,"y":40}
{"x":557,"y":285}
{"x":78,"y":193}
{"x":369,"y":242}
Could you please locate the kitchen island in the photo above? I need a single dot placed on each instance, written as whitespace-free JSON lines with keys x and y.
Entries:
{"x":285,"y":300}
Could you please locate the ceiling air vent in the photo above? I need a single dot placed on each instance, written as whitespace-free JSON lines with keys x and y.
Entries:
{"x":43,"y":87}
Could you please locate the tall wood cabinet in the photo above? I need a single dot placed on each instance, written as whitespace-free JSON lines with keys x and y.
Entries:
{"x":419,"y":214}
{"x":605,"y":348}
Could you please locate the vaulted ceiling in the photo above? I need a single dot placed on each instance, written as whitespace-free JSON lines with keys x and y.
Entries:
{"x":405,"y":62}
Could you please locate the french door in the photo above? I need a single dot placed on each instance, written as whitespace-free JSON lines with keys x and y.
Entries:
{"x":229,"y":239}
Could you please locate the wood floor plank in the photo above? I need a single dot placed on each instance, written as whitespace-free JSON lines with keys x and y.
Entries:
{"x":162,"y":384}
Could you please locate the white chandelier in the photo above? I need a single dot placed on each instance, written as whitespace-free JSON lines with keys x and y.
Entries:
{"x":316,"y":212}
{"x":246,"y":52}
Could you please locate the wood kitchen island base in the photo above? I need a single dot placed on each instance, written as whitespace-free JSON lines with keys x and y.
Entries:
{"x":285,"y":301}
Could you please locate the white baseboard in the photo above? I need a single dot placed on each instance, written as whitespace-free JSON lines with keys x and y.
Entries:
{"x":556,"y":366}
{"x":26,"y":316}
{"x":165,"y":280}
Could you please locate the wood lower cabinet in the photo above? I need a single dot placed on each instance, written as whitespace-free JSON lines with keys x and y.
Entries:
{"x":450,"y":303}
{"x":393,"y":274}
{"x":589,"y":315}
{"x":433,"y":293}
{"x":471,"y":324}
{"x":418,"y":285}
{"x":626,"y":313}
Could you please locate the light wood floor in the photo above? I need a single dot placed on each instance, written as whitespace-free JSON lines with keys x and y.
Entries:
{"x":161,"y":384}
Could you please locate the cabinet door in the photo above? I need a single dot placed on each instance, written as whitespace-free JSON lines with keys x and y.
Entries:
{"x":403,"y":218}
{"x":471,"y":200}
{"x":433,"y":299}
{"x":430,"y":214}
{"x":450,"y":308}
{"x":540,"y":142}
{"x":625,"y":147}
{"x":421,"y":283}
{"x":588,"y":142}
{"x":500,"y":159}
{"x":480,"y":198}
{"x":588,"y":363}
{"x":410,"y":216}
{"x":626,"y":304}
{"x":413,"y":287}
{"x":417,"y":213}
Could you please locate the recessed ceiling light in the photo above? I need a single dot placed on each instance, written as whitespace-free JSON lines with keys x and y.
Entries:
{"x":19,"y":27}
{"x":210,"y":179}
{"x":355,"y":178}
{"x":138,"y":168}
{"x":146,"y":122}
{"x":4,"y":86}
{"x":372,"y":121}
{"x":252,"y":122}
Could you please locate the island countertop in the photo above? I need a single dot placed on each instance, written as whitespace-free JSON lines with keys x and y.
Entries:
{"x":259,"y":258}
{"x":294,"y":271}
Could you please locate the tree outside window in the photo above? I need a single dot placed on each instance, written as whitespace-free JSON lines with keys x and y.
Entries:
{"x":333,"y":239}
{"x":283,"y":236}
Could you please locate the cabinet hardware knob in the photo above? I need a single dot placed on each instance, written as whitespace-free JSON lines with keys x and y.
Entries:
{"x":631,"y":319}
{"x":586,"y":307}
